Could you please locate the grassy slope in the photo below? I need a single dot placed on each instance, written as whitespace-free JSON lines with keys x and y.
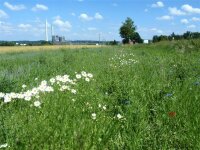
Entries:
{"x":164,"y":80}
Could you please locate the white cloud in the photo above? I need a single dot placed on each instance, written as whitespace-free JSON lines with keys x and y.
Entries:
{"x":57,"y":18}
{"x":175,"y":11}
{"x":3,"y":14}
{"x":195,"y":19}
{"x":24,"y":25}
{"x":191,"y":26}
{"x":150,"y":30}
{"x":63,"y":25}
{"x":190,"y":9}
{"x":92,"y":29}
{"x":166,"y":17}
{"x":73,"y":14}
{"x":80,"y":0}
{"x":156,"y":30}
{"x":85,"y":17}
{"x":184,"y":21}
{"x":6,"y":28}
{"x":146,"y":10}
{"x":98,"y":16}
{"x":14,"y":7}
{"x":158,"y":4}
{"x":39,"y":7}
{"x":37,"y":20}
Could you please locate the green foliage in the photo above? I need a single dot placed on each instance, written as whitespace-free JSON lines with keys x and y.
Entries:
{"x":188,"y":46}
{"x":185,"y":36}
{"x":128,"y":32}
{"x":6,"y":85}
{"x":137,"y":38}
{"x":5,"y":43}
{"x":127,"y":29}
{"x":112,"y":43}
{"x":142,"y":83}
{"x":45,"y":43}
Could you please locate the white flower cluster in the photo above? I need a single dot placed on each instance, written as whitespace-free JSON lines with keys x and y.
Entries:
{"x":37,"y":103}
{"x":4,"y":145}
{"x":27,"y":95}
{"x":103,"y":107}
{"x":123,"y":59}
{"x":94,"y":116}
{"x":63,"y":82}
{"x":119,"y":116}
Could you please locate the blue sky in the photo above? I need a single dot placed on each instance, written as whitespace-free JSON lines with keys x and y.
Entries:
{"x":86,"y":19}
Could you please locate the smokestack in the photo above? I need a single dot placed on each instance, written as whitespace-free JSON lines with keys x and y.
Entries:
{"x":46,"y":31}
{"x":52,"y":30}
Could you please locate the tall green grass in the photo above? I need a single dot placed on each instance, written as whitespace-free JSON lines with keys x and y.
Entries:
{"x":165,"y":80}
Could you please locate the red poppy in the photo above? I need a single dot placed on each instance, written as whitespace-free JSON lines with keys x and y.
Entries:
{"x":172,"y":114}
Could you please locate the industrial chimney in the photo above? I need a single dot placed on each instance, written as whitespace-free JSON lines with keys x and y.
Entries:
{"x":46,"y":31}
{"x":52,"y":31}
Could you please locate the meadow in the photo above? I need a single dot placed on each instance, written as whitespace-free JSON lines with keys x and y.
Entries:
{"x":111,"y":97}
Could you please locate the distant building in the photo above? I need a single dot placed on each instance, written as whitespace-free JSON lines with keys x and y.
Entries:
{"x":55,"y":38}
{"x":23,"y":44}
{"x":58,"y":39}
{"x":61,"y":39}
{"x":146,"y":41}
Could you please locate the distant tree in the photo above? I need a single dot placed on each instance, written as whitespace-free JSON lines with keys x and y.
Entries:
{"x":187,"y":35}
{"x":137,"y":38}
{"x":170,"y":38}
{"x":173,"y":35}
{"x":113,"y":42}
{"x":178,"y":37}
{"x":45,"y":43}
{"x":127,"y":30}
{"x":195,"y":35}
{"x":6,"y":43}
{"x":155,"y":38}
{"x":163,"y":38}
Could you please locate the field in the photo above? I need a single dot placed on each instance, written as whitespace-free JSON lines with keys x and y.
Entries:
{"x":11,"y":49}
{"x":117,"y":97}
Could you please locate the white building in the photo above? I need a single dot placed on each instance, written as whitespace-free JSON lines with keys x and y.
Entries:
{"x":146,"y":41}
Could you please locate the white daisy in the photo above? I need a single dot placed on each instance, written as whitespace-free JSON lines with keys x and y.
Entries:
{"x":37,"y":103}
{"x":94,"y":116}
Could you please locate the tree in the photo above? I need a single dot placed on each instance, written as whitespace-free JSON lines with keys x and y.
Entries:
{"x":6,"y":43}
{"x":137,"y":38}
{"x":127,"y":30}
{"x":187,"y":35}
{"x":113,"y":42}
{"x":155,"y":38}
{"x":45,"y":43}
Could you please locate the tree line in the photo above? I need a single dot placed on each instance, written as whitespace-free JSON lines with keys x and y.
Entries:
{"x":27,"y":43}
{"x":6,"y":43}
{"x":187,"y":35}
{"x":129,"y":34}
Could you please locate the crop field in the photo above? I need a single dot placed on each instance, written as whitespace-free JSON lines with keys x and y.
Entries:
{"x":106,"y":98}
{"x":11,"y":49}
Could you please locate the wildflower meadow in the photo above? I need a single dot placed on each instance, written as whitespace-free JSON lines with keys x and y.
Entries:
{"x":110,"y":97}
